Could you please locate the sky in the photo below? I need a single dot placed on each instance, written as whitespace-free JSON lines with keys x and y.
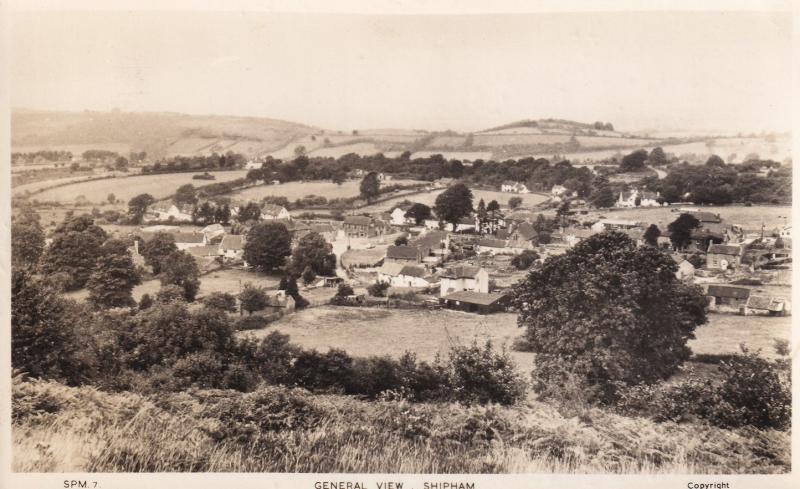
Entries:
{"x":647,"y":70}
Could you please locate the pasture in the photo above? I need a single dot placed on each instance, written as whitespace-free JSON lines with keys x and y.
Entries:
{"x":296,"y":190}
{"x":750,"y":218}
{"x":125,"y":188}
{"x":725,"y":332}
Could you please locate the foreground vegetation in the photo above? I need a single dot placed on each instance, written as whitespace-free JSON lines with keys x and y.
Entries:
{"x":274,"y":429}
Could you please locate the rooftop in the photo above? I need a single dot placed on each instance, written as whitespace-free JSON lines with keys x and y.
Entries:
{"x":479,"y":298}
{"x":403,"y":252}
{"x":464,"y":271}
{"x":728,"y":291}
{"x":358,"y":220}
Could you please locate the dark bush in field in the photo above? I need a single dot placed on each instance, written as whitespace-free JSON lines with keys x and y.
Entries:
{"x":378,"y":289}
{"x":250,"y":322}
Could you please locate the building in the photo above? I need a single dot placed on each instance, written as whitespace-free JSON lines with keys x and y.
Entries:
{"x":685,"y":268}
{"x":466,"y":223}
{"x":361,"y":227}
{"x":727,"y":297}
{"x":187,"y":240}
{"x":772,"y":306}
{"x":252,"y":165}
{"x":213,"y":231}
{"x":611,"y":224}
{"x":635,"y":198}
{"x":279,"y":301}
{"x":398,"y":217}
{"x":169,"y":212}
{"x":573,"y":235}
{"x":705,"y":217}
{"x":494,"y":247}
{"x":478,"y":302}
{"x":558,"y":190}
{"x":232,"y":247}
{"x":461,"y":278}
{"x":400,"y":275}
{"x":272,"y":212}
{"x":403,"y":254}
{"x":383,"y":177}
{"x":514,"y":187}
{"x":326,"y":230}
{"x":432,"y":243}
{"x":724,"y":257}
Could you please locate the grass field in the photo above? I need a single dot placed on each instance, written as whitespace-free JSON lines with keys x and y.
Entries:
{"x":296,"y":190}
{"x":159,"y":186}
{"x":725,"y":332}
{"x":748,"y":217}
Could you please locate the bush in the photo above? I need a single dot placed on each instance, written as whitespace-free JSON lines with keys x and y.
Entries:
{"x":250,"y":322}
{"x":378,"y":289}
{"x":524,"y":260}
{"x":482,"y":375}
{"x":329,"y":372}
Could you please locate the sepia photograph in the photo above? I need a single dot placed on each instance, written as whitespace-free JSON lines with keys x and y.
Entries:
{"x":433,"y":242}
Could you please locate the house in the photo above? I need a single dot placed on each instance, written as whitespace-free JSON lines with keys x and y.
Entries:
{"x":383,"y":177}
{"x":213,"y":231}
{"x":724,"y":257}
{"x":329,"y":281}
{"x":403,"y":254}
{"x":252,"y":165}
{"x":232,"y":247}
{"x":478,"y":302}
{"x":685,"y":268}
{"x":272,"y":212}
{"x":785,"y":232}
{"x":326,"y":230}
{"x":187,"y":240}
{"x":360,"y":227}
{"x":727,"y":297}
{"x":466,"y":223}
{"x":401,"y":275}
{"x":573,"y":235}
{"x":465,"y":277}
{"x":514,"y":187}
{"x":169,"y":212}
{"x":558,"y":190}
{"x":432,"y":243}
{"x":205,"y":256}
{"x":636,"y":198}
{"x":494,"y":247}
{"x":703,"y":238}
{"x":398,"y":217}
{"x":609,"y":224}
{"x":280,"y":301}
{"x":443,"y":182}
{"x":523,"y":233}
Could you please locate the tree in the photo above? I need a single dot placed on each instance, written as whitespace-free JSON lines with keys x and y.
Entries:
{"x":314,"y":252}
{"x":254,"y":175}
{"x":651,"y":235}
{"x":308,"y":275}
{"x":482,"y":215}
{"x":289,"y":285}
{"x":715,"y":160}
{"x":27,"y":241}
{"x":180,"y":268}
{"x":493,"y":209}
{"x":603,"y":196}
{"x":454,"y":204}
{"x":607,"y":313}
{"x":249,"y":212}
{"x":634,"y":162}
{"x":419,"y":212}
{"x":145,"y":302}
{"x":267,"y":246}
{"x":370,"y":186}
{"x":111,"y":198}
{"x":111,"y":284}
{"x":74,"y":250}
{"x":121,"y":163}
{"x":378,"y":289}
{"x":170,"y":293}
{"x":137,"y":207}
{"x":222,"y":213}
{"x":680,"y":230}
{"x":401,"y":240}
{"x":514,"y":202}
{"x":344,"y":290}
{"x":657,"y":157}
{"x":339,"y":177}
{"x":524,"y":260}
{"x":222,"y":301}
{"x":157,"y":249}
{"x":43,"y":338}
{"x":253,"y":298}
{"x":185,"y":195}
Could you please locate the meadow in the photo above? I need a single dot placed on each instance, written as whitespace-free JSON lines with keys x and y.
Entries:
{"x":125,"y":188}
{"x":296,"y":190}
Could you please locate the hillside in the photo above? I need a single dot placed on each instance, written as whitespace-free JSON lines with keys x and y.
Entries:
{"x":63,"y":429}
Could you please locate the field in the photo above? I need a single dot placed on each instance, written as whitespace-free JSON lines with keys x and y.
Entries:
{"x":159,"y":186}
{"x":296,"y":190}
{"x":725,"y":332}
{"x":455,"y":155}
{"x":429,"y":198}
{"x":35,"y":186}
{"x":748,"y":217}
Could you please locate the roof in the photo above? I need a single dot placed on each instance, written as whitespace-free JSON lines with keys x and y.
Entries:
{"x":705,"y":216}
{"x":413,"y":271}
{"x":480,"y":298}
{"x":522,"y":216}
{"x":189,"y":237}
{"x":492,"y":243}
{"x":358,"y":220}
{"x":207,"y":250}
{"x":402,"y":252}
{"x":502,"y":233}
{"x":392,"y":269}
{"x":272,"y":209}
{"x":213,"y":228}
{"x":526,"y":231}
{"x":232,"y":242}
{"x":578,"y":232}
{"x":618,"y":222}
{"x":431,"y":239}
{"x":759,"y":302}
{"x":679,"y":259}
{"x":728,"y":291}
{"x":322,"y":228}
{"x":467,"y":220}
{"x":725,"y":249}
{"x":464,"y":271}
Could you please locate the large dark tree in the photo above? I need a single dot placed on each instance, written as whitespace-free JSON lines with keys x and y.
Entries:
{"x":634,"y":161}
{"x":267,"y":246}
{"x":253,"y":298}
{"x":607,"y":313}
{"x":114,"y":277}
{"x":680,"y":230}
{"x":289,"y":285}
{"x":454,"y":204}
{"x":419,"y":212}
{"x":185,"y":195}
{"x":27,"y":240}
{"x":657,"y":157}
{"x":249,"y":212}
{"x":651,"y":235}
{"x":314,"y":252}
{"x":370,"y":186}
{"x":154,"y":251}
{"x":180,"y":268}
{"x":74,"y":250}
{"x":603,"y":196}
{"x":137,"y":207}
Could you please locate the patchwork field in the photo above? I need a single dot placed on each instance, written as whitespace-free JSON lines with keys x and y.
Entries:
{"x":748,"y":217}
{"x":363,"y":149}
{"x":159,"y":186}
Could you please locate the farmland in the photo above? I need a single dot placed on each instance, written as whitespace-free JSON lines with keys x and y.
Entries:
{"x":296,"y":190}
{"x":159,"y":186}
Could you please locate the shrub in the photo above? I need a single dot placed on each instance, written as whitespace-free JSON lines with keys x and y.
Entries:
{"x":480,"y":374}
{"x":322,"y":371}
{"x":378,"y":289}
{"x":524,"y":260}
{"x":220,"y":300}
{"x":250,"y":322}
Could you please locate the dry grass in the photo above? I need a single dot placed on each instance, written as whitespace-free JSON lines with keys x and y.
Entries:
{"x":725,"y":332}
{"x":61,"y":429}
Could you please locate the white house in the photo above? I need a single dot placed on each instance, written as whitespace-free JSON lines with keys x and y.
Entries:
{"x":384,"y":177}
{"x":272,"y":212}
{"x":685,"y":269}
{"x":213,"y":231}
{"x":186,"y":240}
{"x":232,"y":246}
{"x":462,"y":278}
{"x":167,"y":212}
{"x":515,"y":187}
{"x":644,"y":199}
{"x":398,"y":217}
{"x":609,"y":224}
{"x":558,"y":190}
{"x":252,"y":165}
{"x":400,"y":275}
{"x":466,"y":224}
{"x":785,"y":232}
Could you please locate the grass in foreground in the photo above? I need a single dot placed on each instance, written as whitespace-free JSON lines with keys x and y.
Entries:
{"x":58,"y":428}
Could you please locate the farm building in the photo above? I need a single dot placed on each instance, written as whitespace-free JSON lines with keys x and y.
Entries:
{"x":514,"y":187}
{"x":685,"y":268}
{"x":400,"y":275}
{"x":479,"y":302}
{"x":727,"y":296}
{"x":403,"y":254}
{"x":611,"y":224}
{"x":464,"y":278}
{"x":187,"y":240}
{"x":272,"y":212}
{"x":724,"y":257}
{"x":361,"y":227}
{"x":161,"y":211}
{"x":432,"y":243}
{"x":494,"y":246}
{"x":635,"y":198}
{"x":232,"y":246}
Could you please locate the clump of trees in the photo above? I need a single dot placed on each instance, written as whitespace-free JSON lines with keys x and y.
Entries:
{"x":454,"y":204}
{"x":268,"y":244}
